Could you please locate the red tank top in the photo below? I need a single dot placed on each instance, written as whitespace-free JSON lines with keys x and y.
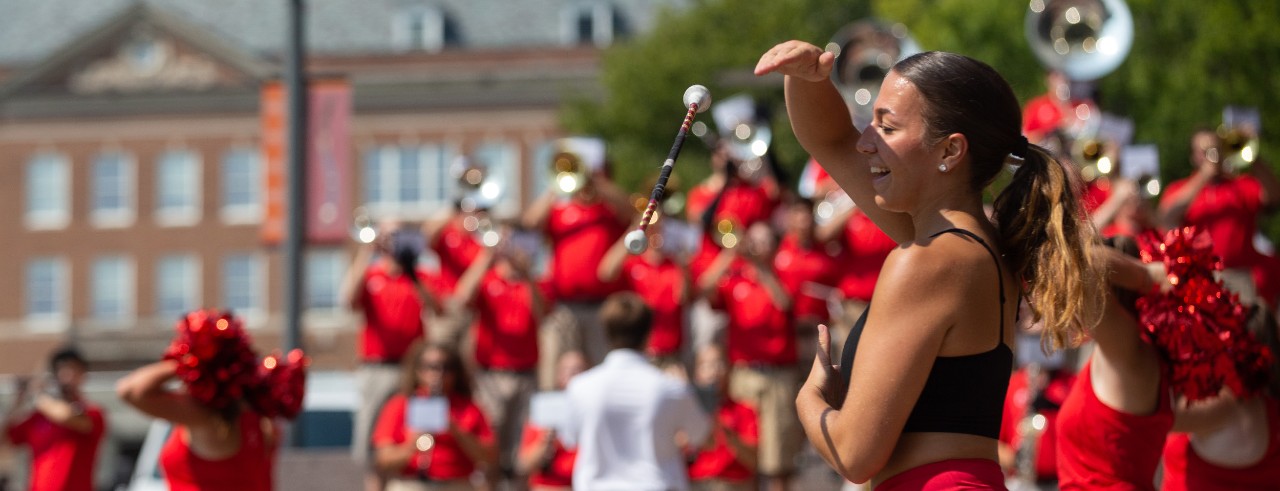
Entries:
{"x":1102,"y":448}
{"x":250,"y":469}
{"x":1184,"y":469}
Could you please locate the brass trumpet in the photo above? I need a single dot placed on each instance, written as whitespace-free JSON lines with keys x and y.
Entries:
{"x":727,"y":234}
{"x":476,"y":186}
{"x":1239,"y":147}
{"x":569,"y":173}
{"x":363,"y":228}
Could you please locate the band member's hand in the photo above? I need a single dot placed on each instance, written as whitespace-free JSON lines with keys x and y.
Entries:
{"x":1124,"y":189}
{"x":797,"y":59}
{"x":1159,"y":276}
{"x":825,"y":376}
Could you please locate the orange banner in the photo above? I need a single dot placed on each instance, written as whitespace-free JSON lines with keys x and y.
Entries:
{"x":274,"y":115}
{"x":327,"y":167}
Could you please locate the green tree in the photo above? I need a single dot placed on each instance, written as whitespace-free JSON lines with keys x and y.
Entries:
{"x":1190,"y":58}
{"x":715,"y":43}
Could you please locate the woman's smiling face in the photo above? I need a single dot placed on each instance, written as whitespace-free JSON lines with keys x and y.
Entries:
{"x":901,"y":159}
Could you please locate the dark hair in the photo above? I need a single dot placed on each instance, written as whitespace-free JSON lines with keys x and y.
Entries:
{"x":452,"y":363}
{"x":626,"y":320}
{"x":1043,"y":234}
{"x":67,"y":354}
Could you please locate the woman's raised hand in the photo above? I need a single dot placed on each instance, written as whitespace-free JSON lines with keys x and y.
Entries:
{"x":797,"y":59}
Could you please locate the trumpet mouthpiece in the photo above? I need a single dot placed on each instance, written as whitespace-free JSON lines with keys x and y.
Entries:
{"x":636,"y":241}
{"x":697,"y":94}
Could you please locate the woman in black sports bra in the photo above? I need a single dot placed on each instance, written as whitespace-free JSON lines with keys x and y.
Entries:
{"x":926,"y":368}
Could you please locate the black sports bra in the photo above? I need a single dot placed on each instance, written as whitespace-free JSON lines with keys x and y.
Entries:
{"x":963,"y":394}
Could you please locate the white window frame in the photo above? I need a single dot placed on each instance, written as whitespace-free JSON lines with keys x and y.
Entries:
{"x":192,"y":286}
{"x":539,"y":169}
{"x":60,"y":216}
{"x":337,"y":258}
{"x":253,"y":315}
{"x":59,"y":318}
{"x":601,"y":13}
{"x":126,"y":285}
{"x":502,"y":161}
{"x":436,"y":186}
{"x":127,"y":213}
{"x":188,"y":213}
{"x":430,"y":36}
{"x":242,"y":213}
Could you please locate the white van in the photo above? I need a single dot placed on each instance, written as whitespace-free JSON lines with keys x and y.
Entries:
{"x":320,"y":454}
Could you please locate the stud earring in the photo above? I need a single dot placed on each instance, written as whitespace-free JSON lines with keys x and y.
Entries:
{"x":942,"y":167}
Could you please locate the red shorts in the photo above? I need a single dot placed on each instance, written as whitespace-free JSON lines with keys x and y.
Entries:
{"x":946,"y":475}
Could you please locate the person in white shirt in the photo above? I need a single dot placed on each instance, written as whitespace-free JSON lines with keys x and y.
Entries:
{"x":625,"y":414}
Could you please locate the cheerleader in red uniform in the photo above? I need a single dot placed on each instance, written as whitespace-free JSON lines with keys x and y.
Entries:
{"x":1187,"y":339}
{"x":1225,"y":443}
{"x":224,"y":435}
{"x":442,"y":461}
{"x":1111,"y":426}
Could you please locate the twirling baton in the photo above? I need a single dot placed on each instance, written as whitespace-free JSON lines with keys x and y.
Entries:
{"x":697,"y":98}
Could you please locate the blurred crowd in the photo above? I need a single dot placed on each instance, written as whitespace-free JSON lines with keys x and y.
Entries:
{"x":492,"y":312}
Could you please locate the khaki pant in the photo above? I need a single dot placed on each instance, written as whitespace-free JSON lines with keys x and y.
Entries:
{"x":706,"y":326}
{"x":590,"y":330}
{"x":772,"y":391}
{"x":557,"y":334}
{"x":722,"y":485}
{"x":415,"y":485}
{"x":376,"y":384}
{"x":504,"y":398}
{"x":450,"y":327}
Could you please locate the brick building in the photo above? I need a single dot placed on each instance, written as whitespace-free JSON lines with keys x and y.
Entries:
{"x":132,"y":135}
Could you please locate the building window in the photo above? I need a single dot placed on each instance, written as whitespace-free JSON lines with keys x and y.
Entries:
{"x":177,"y":285}
{"x":46,"y":292}
{"x":113,"y":190}
{"x":178,"y":188}
{"x":242,"y":284}
{"x":241,"y":186}
{"x":502,"y":175}
{"x":410,"y":181}
{"x":48,"y":191}
{"x":113,"y":287}
{"x":324,"y":274}
{"x":423,"y":28}
{"x":592,"y":23}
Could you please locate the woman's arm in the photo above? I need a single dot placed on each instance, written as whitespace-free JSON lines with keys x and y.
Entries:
{"x":895,"y":354}
{"x":1173,"y":207}
{"x":535,"y":216}
{"x":484,"y":454}
{"x":353,"y":280}
{"x":821,"y":122}
{"x":64,"y":413}
{"x":710,"y":279}
{"x":747,"y":454}
{"x":534,"y":455}
{"x":1206,"y":415}
{"x":469,"y":283}
{"x":390,"y":458}
{"x":144,"y":389}
{"x":611,"y":263}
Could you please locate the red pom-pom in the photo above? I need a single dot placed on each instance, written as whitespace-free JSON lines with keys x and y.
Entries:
{"x":1198,"y":327}
{"x":281,"y":385}
{"x":214,"y":357}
